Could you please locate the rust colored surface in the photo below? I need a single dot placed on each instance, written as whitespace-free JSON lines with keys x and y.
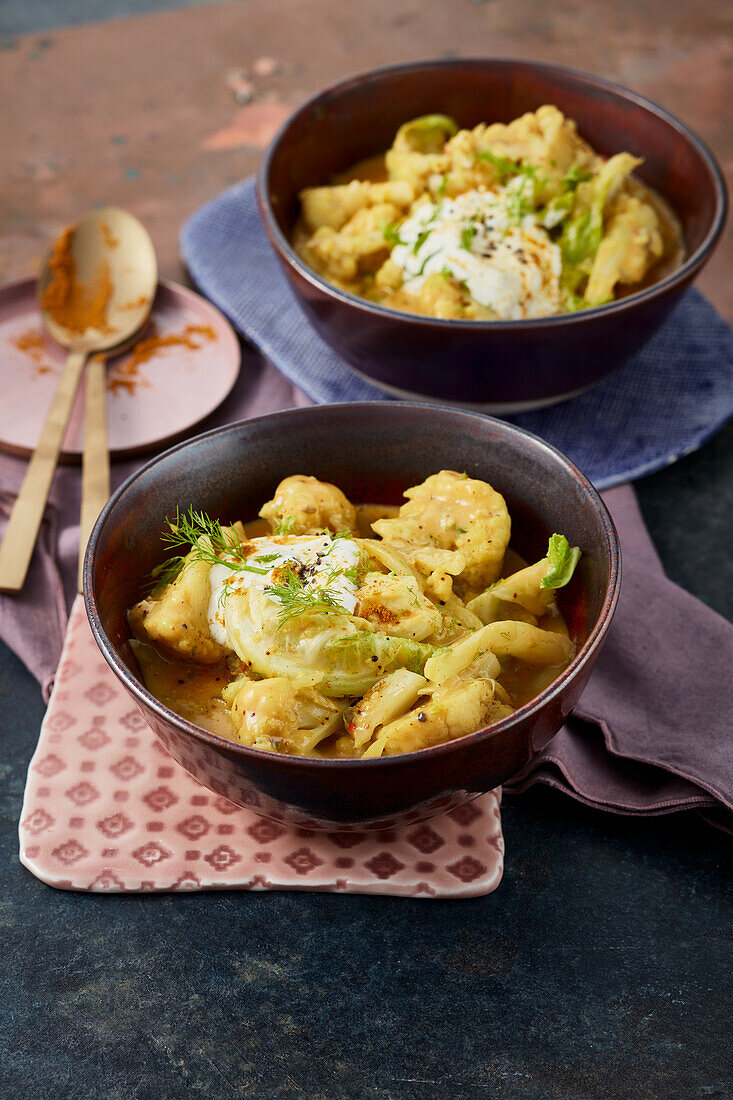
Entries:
{"x":74,"y":305}
{"x":200,"y":91}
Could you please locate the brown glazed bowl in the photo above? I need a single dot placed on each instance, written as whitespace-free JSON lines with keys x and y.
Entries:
{"x":502,"y":365}
{"x":373,"y":452}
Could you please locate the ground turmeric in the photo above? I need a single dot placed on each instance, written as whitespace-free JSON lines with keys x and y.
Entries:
{"x":125,"y":375}
{"x":33,"y":343}
{"x":73,"y":305}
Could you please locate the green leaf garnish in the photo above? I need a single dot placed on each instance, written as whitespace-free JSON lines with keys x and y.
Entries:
{"x":556,"y":210}
{"x":562,"y":562}
{"x":285,"y":526}
{"x":467,"y":234}
{"x":426,"y":134}
{"x":582,"y":236}
{"x":421,"y":239}
{"x":520,"y":199}
{"x":574,"y":176}
{"x":391,"y":234}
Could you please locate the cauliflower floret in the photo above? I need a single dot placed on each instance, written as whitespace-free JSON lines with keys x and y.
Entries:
{"x":458,"y":514}
{"x":455,"y":708}
{"x":335,"y":206}
{"x":390,"y":276}
{"x":396,"y":606}
{"x":359,"y":248}
{"x":631,"y":243}
{"x":305,"y":506}
{"x":283,"y":716}
{"x":546,"y":140}
{"x":441,"y":297}
{"x":177,"y":619}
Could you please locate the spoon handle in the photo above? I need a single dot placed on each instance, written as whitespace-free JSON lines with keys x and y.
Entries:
{"x":16,"y":548}
{"x":95,"y":459}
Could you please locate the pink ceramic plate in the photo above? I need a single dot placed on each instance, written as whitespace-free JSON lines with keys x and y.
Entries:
{"x":169,"y":393}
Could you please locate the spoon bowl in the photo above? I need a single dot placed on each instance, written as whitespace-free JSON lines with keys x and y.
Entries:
{"x":112,"y":251}
{"x":95,"y":290}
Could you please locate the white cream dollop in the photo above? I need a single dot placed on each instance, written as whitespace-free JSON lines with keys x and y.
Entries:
{"x":329,"y":557}
{"x":507,"y":263}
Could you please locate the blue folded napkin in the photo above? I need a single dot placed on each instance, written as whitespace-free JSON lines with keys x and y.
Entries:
{"x":672,"y":396}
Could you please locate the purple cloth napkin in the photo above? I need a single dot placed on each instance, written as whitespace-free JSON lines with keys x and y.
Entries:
{"x":652,"y":732}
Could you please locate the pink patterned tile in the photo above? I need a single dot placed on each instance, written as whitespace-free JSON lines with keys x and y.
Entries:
{"x":172,"y":834}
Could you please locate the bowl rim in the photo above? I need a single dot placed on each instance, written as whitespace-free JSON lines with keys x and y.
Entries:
{"x":146,"y":699}
{"x":683,"y":274}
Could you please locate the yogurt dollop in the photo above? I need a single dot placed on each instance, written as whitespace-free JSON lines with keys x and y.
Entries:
{"x":321,"y":562}
{"x":506,"y":261}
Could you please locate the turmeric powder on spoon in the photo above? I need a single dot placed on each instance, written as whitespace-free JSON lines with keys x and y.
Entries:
{"x":75,"y":305}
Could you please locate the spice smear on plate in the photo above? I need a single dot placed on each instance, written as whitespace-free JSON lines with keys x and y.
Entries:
{"x":126,"y":374}
{"x":74,"y":305}
{"x":32,"y":343}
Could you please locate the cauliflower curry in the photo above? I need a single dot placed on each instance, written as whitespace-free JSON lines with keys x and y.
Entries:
{"x":502,"y":222}
{"x":325,"y":629}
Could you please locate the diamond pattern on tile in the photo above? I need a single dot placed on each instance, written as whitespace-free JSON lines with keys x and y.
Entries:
{"x":170,"y":833}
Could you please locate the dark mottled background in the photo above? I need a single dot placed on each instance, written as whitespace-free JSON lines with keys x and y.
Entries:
{"x":601,"y":967}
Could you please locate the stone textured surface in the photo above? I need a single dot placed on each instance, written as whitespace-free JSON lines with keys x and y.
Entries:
{"x":596,"y":970}
{"x":170,"y":127}
{"x":599,"y":967}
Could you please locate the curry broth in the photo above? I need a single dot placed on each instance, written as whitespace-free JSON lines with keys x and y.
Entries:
{"x":193,"y":691}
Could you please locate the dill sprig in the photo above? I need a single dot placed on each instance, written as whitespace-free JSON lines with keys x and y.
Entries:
{"x":297,"y":599}
{"x":204,"y":539}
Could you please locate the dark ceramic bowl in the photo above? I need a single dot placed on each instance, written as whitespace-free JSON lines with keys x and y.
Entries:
{"x":502,"y":365}
{"x":373,"y":452}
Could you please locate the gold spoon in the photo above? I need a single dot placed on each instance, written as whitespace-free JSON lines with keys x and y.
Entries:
{"x":107,"y":244}
{"x":95,"y":471}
